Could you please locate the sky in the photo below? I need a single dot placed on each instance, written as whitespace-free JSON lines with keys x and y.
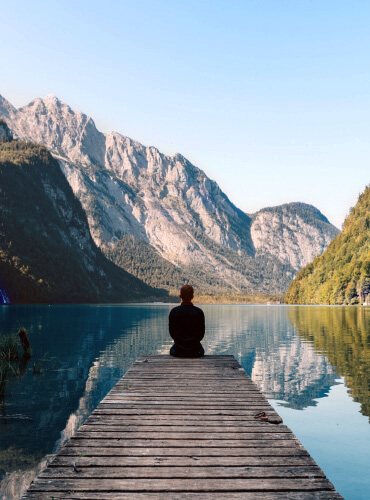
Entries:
{"x":270,"y":98}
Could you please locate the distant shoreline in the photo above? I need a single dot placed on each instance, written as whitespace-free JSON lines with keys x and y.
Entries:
{"x":225,"y":299}
{"x":239,"y":299}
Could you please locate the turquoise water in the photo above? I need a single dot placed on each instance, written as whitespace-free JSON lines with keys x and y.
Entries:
{"x":311,"y":362}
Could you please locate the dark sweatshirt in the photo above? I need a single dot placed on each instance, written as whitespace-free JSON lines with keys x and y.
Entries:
{"x":187,"y":327}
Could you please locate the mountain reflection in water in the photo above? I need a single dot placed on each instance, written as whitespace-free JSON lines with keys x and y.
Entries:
{"x":343,"y":335}
{"x":288,"y":351}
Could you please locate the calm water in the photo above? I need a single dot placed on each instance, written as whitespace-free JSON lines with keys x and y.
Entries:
{"x":313,"y":363}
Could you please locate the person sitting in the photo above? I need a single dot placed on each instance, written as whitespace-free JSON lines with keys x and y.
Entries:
{"x":187,"y":326}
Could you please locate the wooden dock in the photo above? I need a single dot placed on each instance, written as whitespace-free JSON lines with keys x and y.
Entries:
{"x":182,"y":429}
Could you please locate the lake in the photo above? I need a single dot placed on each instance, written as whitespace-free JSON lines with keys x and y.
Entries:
{"x":312,"y":363}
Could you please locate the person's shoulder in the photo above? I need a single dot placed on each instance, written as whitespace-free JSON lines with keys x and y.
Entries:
{"x":175,"y":310}
{"x":199,"y":310}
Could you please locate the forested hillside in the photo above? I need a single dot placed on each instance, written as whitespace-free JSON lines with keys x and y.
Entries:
{"x":341,"y":275}
{"x":143,"y":261}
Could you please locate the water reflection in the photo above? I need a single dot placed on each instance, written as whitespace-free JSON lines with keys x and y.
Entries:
{"x":91,"y":347}
{"x":343,"y":335}
{"x":263,"y":340}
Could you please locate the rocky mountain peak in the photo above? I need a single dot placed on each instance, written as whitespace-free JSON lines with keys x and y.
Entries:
{"x":295,"y":232}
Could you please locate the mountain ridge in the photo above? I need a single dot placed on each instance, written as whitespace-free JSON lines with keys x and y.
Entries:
{"x":169,"y":204}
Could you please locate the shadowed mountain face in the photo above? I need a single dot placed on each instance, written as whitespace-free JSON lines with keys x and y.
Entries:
{"x":46,"y":250}
{"x":170,"y":209}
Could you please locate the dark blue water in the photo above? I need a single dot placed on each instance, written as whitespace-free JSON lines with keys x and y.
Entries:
{"x":313,"y":363}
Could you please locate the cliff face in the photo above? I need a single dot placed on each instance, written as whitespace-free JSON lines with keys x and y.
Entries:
{"x":341,"y":275}
{"x":295,"y":233}
{"x":169,"y":205}
{"x":46,"y":250}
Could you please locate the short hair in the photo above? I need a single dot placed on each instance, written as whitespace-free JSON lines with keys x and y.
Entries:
{"x":187,"y":292}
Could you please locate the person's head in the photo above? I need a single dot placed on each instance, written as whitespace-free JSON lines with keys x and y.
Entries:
{"x":187,"y":293}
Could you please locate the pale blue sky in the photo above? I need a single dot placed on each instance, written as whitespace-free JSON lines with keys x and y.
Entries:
{"x":270,"y":98}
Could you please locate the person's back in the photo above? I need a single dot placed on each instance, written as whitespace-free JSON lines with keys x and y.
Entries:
{"x":187,"y":326}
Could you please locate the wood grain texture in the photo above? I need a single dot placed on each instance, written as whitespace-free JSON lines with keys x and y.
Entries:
{"x":183,"y":429}
{"x":166,"y":495}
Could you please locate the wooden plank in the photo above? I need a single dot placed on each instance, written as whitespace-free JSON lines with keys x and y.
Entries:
{"x":171,"y":393}
{"x":186,"y":404}
{"x":168,"y":393}
{"x":79,"y":450}
{"x":189,"y":484}
{"x":231,"y":412}
{"x":193,"y":377}
{"x":175,"y":472}
{"x":165,"y":399}
{"x":189,"y":436}
{"x":114,"y":425}
{"x":182,"y":443}
{"x":186,"y":386}
{"x":161,"y":382}
{"x":178,"y":429}
{"x":167,"y":357}
{"x":190,"y":374}
{"x":287,"y":495}
{"x":175,"y":420}
{"x":192,"y":461}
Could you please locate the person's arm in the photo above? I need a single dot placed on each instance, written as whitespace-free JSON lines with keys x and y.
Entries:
{"x":202,"y":328}
{"x":172,"y":325}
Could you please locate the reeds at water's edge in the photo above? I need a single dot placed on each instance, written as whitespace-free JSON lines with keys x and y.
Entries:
{"x":15,"y":352}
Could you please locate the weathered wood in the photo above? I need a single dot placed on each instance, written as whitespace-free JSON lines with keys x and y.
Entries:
{"x":199,"y":461}
{"x":187,"y":387}
{"x":175,"y":472}
{"x":286,"y":495}
{"x":176,"y":420}
{"x":194,"y":398}
{"x":183,"y":443}
{"x":233,"y":412}
{"x":186,"y":404}
{"x":114,"y":426}
{"x":183,"y":429}
{"x":79,"y":450}
{"x":171,"y":392}
{"x":198,"y":436}
{"x":189,"y":484}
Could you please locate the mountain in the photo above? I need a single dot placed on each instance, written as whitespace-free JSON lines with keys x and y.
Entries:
{"x":341,"y":275}
{"x":162,"y":218}
{"x":46,"y":251}
{"x":295,"y":233}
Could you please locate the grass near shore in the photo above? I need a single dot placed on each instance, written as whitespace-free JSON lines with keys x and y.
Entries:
{"x":238,"y":298}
